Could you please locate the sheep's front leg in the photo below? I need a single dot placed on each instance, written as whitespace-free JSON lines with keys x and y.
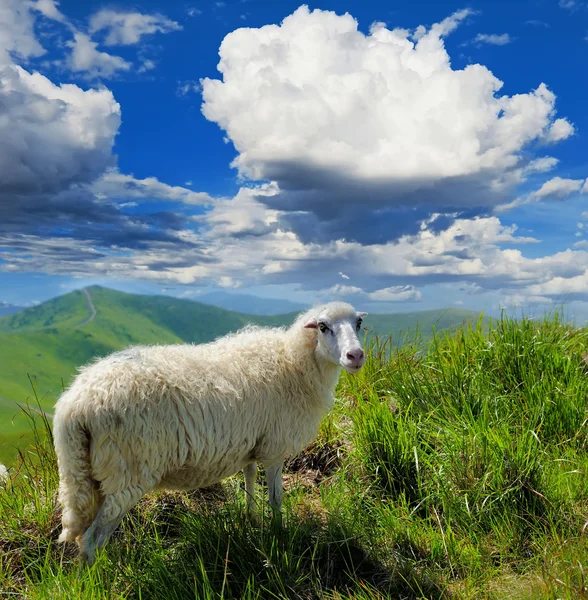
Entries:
{"x":250,"y":472}
{"x":273,"y":475}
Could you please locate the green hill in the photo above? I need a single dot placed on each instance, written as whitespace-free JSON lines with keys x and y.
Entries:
{"x":48,"y":342}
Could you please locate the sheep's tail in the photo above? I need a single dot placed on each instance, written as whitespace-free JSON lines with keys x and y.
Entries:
{"x":78,"y":491}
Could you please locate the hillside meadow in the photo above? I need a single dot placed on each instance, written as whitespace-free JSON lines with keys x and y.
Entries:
{"x":42,"y":347}
{"x":451,"y":470}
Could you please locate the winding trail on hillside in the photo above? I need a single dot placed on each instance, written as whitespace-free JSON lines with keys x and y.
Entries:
{"x":91,"y":307}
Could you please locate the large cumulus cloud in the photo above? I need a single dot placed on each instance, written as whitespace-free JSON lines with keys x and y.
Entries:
{"x":52,"y":136}
{"x":344,"y":121}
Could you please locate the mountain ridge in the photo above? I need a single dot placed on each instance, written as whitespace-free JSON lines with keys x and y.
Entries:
{"x":250,"y":304}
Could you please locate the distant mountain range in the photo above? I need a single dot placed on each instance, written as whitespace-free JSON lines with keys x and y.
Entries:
{"x":252,"y":305}
{"x":48,"y":342}
{"x":9,"y":309}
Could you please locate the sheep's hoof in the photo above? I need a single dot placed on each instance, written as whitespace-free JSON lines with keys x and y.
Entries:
{"x":84,"y":560}
{"x":277,"y":522}
{"x":254,"y":519}
{"x":86,"y":556}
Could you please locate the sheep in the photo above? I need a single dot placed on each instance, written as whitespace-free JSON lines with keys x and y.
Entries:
{"x":186,"y":416}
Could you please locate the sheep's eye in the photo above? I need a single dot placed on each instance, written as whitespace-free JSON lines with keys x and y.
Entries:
{"x":323,"y":327}
{"x":358,"y":326}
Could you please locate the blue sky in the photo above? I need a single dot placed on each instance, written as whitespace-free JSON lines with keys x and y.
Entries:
{"x":402,"y":157}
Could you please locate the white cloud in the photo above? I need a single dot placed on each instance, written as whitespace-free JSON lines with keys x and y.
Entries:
{"x":87,"y":59}
{"x":469,"y":252}
{"x":559,"y":188}
{"x":239,"y":242}
{"x":126,"y":28}
{"x":493,"y":39}
{"x":52,"y":136}
{"x":193,"y":12}
{"x":538,"y":23}
{"x":342,"y":119}
{"x":115,"y":185}
{"x":242,"y":216}
{"x":146,"y":65}
{"x":50,"y":10}
{"x":561,"y":286}
{"x":560,"y":129}
{"x":556,"y":188}
{"x":571,"y":5}
{"x":16,"y":32}
{"x":188,"y":87}
{"x":541,"y":165}
{"x":522,"y":300}
{"x":399,"y":293}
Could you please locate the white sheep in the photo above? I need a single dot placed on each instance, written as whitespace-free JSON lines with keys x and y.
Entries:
{"x":186,"y":416}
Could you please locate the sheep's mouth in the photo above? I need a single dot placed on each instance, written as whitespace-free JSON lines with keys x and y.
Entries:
{"x":352,"y":368}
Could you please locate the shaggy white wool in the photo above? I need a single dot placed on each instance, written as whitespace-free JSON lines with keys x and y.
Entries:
{"x":186,"y":416}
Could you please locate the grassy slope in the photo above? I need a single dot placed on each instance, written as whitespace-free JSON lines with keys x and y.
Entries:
{"x":405,"y":326}
{"x":459,"y":473}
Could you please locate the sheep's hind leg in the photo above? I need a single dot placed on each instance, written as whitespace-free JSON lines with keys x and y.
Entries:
{"x":273,"y":475}
{"x":250,"y":472}
{"x":109,"y":517}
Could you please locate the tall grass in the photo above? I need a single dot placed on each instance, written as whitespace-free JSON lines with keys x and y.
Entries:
{"x":455,"y":470}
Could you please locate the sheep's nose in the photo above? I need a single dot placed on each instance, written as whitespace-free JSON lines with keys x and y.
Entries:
{"x":355,"y":355}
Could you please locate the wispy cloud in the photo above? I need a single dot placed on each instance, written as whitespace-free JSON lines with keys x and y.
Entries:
{"x":121,"y":28}
{"x":188,"y":87}
{"x":147,"y":65}
{"x":492,"y":39}
{"x":86,"y":59}
{"x":570,"y":5}
{"x":537,"y":23}
{"x":127,"y":28}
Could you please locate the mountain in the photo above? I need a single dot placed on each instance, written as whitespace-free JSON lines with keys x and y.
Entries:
{"x":52,"y":339}
{"x":253,"y":305}
{"x":48,"y":342}
{"x":9,"y":309}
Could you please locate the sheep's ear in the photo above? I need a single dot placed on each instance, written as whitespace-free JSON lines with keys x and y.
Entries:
{"x":362,"y":314}
{"x":311,"y":324}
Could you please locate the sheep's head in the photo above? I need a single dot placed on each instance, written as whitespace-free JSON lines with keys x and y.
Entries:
{"x":338,"y":325}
